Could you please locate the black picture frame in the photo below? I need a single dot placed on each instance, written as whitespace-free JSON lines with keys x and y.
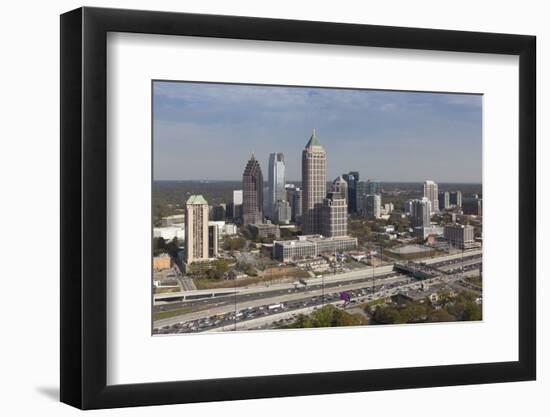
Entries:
{"x":84,"y":207}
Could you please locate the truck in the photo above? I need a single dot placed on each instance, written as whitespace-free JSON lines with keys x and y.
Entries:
{"x":275,"y":306}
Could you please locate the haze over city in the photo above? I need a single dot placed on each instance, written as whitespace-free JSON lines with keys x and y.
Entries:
{"x":388,"y":135}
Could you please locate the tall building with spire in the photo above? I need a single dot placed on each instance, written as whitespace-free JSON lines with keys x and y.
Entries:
{"x":314,"y":185}
{"x":253,"y":192}
{"x":275,"y":182}
{"x":196,"y":229}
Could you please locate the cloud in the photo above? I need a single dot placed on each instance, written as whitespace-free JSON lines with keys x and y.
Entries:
{"x":380,"y":131}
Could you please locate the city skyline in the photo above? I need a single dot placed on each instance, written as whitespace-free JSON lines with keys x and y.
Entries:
{"x":193,"y":117}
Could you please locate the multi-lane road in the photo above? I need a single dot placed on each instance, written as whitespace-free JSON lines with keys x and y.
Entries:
{"x":281,"y":302}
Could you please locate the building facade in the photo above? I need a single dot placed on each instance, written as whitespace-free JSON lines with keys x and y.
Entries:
{"x":314,"y":185}
{"x":282,"y":212}
{"x":373,"y":187}
{"x":444,"y":198}
{"x":472,"y":206}
{"x":218,"y":212}
{"x":253,"y":196}
{"x":339,"y":185}
{"x":352,"y":178}
{"x":265,"y":230}
{"x":311,"y":246}
{"x":421,"y":212}
{"x":459,"y":235}
{"x":455,"y":198}
{"x":275,"y":182}
{"x":294,"y":196}
{"x":196,"y":229}
{"x":334,"y":220}
{"x":213,"y":240}
{"x":432,"y":194}
{"x":372,"y":206}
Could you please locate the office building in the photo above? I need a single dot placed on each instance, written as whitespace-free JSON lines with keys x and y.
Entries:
{"x":275,"y":182}
{"x":408,"y":206}
{"x":265,"y":230}
{"x":213,"y":241}
{"x":373,"y":187}
{"x":431,"y":193}
{"x":294,"y":196}
{"x":196,"y":229}
{"x":352,"y":178}
{"x":459,"y":235}
{"x":235,"y":207}
{"x":282,"y":212}
{"x":311,"y":246}
{"x":314,"y":185}
{"x":339,"y":185}
{"x":444,"y":199}
{"x":426,"y":231}
{"x":175,"y":219}
{"x":472,"y":206}
{"x":334,"y":221}
{"x":455,"y":198}
{"x":421,"y":212}
{"x":253,"y":196}
{"x":372,"y":206}
{"x":218,"y":212}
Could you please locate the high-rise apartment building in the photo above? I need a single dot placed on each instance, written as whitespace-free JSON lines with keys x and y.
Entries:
{"x":253,"y":196}
{"x":421,"y":211}
{"x":431,"y":193}
{"x":196,"y":229}
{"x":339,"y":185}
{"x":455,"y":198}
{"x":334,"y":222}
{"x":352,"y":178}
{"x":275,"y":182}
{"x":444,"y":198}
{"x":314,"y":185}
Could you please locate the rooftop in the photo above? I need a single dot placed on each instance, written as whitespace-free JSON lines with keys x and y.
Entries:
{"x":196,"y":199}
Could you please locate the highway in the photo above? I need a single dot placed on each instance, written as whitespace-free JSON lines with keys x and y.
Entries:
{"x":219,"y":313}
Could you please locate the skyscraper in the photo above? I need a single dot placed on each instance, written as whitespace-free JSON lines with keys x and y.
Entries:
{"x":275,"y":182}
{"x":431,"y":193}
{"x":295,"y":199}
{"x":339,"y":185}
{"x":372,"y":206}
{"x":352,"y":178}
{"x":455,"y":198}
{"x":334,"y":215}
{"x":282,"y":212}
{"x":444,"y":200}
{"x":373,"y":187}
{"x":420,"y":215}
{"x":235,"y":208}
{"x":213,"y":241}
{"x":253,"y":196}
{"x":196,"y":229}
{"x":314,"y":185}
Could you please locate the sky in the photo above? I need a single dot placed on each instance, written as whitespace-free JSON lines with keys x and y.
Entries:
{"x":208,"y":131}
